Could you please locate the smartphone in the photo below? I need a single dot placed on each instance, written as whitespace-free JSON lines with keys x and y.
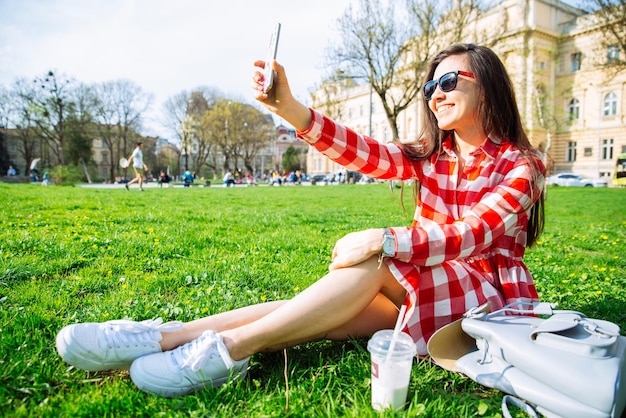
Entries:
{"x":268,"y":74}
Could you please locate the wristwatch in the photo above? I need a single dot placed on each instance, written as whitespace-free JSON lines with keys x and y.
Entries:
{"x":389,"y":246}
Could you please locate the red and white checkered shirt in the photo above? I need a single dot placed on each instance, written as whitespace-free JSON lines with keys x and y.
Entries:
{"x":468,"y":237}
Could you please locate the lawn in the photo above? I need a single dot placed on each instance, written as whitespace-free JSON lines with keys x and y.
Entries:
{"x":70,"y":254}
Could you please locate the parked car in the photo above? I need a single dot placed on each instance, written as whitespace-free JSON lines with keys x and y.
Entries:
{"x":574,"y":180}
{"x":318,"y":178}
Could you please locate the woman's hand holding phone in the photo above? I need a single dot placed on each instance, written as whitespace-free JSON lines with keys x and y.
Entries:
{"x":268,"y":74}
{"x":272,"y":89}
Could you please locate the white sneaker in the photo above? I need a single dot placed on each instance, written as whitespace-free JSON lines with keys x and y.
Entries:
{"x":110,"y":345}
{"x":202,"y":363}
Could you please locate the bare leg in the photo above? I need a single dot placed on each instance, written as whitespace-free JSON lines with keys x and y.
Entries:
{"x":137,"y":179}
{"x":349,"y":302}
{"x":218,"y":323}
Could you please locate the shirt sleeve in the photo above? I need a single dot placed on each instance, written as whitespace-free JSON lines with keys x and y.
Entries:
{"x":358,"y":152}
{"x":503,"y":210}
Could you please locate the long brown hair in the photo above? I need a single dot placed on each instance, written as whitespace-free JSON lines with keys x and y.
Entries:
{"x":499,"y":115}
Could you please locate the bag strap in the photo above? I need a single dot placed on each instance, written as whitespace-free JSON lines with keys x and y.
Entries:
{"x":593,"y":327}
{"x":520,"y":308}
{"x":524,"y":406}
{"x":534,"y":308}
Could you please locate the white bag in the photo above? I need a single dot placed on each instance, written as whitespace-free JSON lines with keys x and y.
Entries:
{"x":566,"y":365}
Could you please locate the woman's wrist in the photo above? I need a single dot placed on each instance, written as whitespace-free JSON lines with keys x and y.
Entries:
{"x":297,"y":114}
{"x":389,"y":245}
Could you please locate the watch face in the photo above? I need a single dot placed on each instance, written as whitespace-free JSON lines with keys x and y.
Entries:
{"x":389,"y":245}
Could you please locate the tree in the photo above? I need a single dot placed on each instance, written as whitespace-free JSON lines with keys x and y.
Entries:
{"x":131,"y":103}
{"x":181,"y":115}
{"x":50,"y":99}
{"x":52,"y":106}
{"x":611,"y":17}
{"x":5,"y":112}
{"x":173,"y":113}
{"x":257,"y":131}
{"x":78,"y":150}
{"x":22,"y":118}
{"x":120,"y":107}
{"x":6,"y":108}
{"x":390,"y":49}
{"x":4,"y":155}
{"x":237,"y":131}
{"x":374,"y":44}
{"x":291,"y":160}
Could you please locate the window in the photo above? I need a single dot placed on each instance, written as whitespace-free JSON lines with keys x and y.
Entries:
{"x":575,"y":62}
{"x":610,"y":104}
{"x":571,"y":152}
{"x":105,"y":156}
{"x":574,"y":109}
{"x":607,"y":149}
{"x":588,"y":151}
{"x":612,"y":54}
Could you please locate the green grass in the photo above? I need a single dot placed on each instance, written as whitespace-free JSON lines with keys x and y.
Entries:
{"x":72,"y":254}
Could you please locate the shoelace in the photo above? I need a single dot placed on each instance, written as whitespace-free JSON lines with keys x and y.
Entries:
{"x":123,"y":332}
{"x":196,"y":353}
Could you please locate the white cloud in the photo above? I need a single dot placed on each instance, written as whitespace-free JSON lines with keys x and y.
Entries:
{"x":165,"y":46}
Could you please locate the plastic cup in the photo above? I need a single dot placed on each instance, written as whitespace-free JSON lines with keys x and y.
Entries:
{"x":390,"y":373}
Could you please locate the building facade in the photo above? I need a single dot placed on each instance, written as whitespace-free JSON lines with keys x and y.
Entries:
{"x":572,"y":106}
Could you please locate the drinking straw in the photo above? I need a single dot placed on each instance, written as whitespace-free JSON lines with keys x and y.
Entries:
{"x":396,"y":332}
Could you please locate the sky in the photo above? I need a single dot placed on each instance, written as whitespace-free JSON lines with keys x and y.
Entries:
{"x":166,"y":46}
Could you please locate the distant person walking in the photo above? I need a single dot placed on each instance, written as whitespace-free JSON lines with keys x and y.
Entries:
{"x":11,"y":171}
{"x":138,"y":166}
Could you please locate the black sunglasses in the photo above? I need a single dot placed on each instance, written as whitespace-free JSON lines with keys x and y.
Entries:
{"x":446,"y":82}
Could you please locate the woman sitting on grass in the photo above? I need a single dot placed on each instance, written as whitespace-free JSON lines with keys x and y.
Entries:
{"x":480,"y":205}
